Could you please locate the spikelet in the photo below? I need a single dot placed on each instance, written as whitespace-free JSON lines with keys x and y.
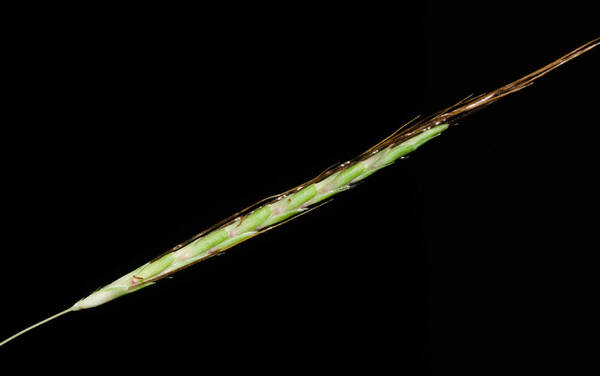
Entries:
{"x":278,"y":209}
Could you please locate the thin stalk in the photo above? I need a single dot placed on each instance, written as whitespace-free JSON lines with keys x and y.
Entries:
{"x":36,"y":325}
{"x":279,"y":209}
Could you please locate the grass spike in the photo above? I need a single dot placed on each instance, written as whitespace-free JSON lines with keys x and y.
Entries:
{"x":279,"y":209}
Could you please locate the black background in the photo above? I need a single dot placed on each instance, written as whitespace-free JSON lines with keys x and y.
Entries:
{"x":129,"y":130}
